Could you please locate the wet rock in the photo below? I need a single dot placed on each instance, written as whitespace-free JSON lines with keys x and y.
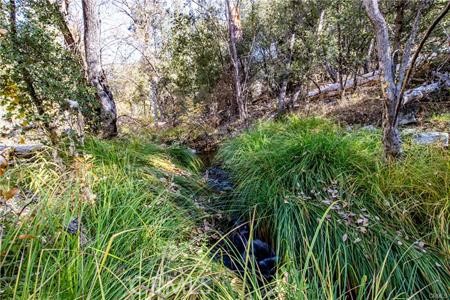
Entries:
{"x":261,"y":250}
{"x":260,"y":253}
{"x":74,"y":226}
{"x":268,"y":266}
{"x":239,"y":239}
{"x":218,"y":179}
{"x":232,"y":263}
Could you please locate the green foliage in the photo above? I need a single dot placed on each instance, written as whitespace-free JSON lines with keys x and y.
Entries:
{"x":348,"y":36}
{"x":371,"y":239}
{"x":40,"y":71}
{"x":278,"y":20}
{"x":196,"y":59}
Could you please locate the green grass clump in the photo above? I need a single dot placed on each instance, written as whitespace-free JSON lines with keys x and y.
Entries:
{"x":136,"y":205}
{"x":343,"y":221}
{"x":444,"y":118}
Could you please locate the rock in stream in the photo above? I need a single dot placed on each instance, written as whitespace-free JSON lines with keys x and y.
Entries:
{"x":239,"y":248}
{"x":218,"y":179}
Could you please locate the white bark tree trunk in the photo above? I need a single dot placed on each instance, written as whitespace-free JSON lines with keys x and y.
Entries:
{"x":335,"y":88}
{"x":394,"y":86}
{"x":391,"y":135}
{"x":96,"y":75}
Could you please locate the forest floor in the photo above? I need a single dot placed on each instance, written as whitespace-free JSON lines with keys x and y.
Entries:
{"x":362,"y":107}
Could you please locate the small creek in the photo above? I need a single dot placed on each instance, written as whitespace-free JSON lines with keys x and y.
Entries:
{"x":242,"y":245}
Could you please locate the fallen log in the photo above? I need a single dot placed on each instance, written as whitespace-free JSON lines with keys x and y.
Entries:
{"x":424,"y":90}
{"x":420,"y":92}
{"x":410,"y":95}
{"x":335,"y":88}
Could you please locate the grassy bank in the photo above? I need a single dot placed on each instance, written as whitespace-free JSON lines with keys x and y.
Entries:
{"x":136,"y":205}
{"x":344,"y":222}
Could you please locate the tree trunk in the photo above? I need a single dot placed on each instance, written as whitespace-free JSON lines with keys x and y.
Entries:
{"x":368,"y":58}
{"x":391,"y":137}
{"x":398,"y":28}
{"x":414,"y":94}
{"x":235,"y":32}
{"x":22,"y":150}
{"x":286,"y":75}
{"x":154,"y":99}
{"x":393,"y":91}
{"x":60,"y":12}
{"x":430,"y":29}
{"x":96,"y":75}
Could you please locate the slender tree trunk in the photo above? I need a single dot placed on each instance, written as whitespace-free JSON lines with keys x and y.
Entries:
{"x":235,"y":32}
{"x":430,"y":29}
{"x":398,"y":29}
{"x":368,"y":59}
{"x":286,"y":75}
{"x":154,"y":99}
{"x":60,"y":12}
{"x":393,"y":86}
{"x":391,"y":136}
{"x":96,"y":75}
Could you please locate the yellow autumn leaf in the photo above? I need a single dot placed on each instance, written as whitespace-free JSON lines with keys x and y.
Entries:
{"x":7,"y":195}
{"x":26,"y":237}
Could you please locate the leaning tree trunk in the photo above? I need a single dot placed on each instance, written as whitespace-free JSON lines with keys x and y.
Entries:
{"x":60,"y":12}
{"x":96,"y":75}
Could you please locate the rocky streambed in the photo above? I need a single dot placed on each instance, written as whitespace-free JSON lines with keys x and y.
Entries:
{"x":240,"y":248}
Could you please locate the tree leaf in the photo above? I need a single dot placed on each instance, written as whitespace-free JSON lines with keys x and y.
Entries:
{"x":8,"y":195}
{"x":26,"y":237}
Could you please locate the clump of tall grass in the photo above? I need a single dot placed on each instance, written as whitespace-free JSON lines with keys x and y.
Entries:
{"x":344,"y":222}
{"x":135,"y":204}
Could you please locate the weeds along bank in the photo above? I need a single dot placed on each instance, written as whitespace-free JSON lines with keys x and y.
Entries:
{"x":345,"y":223}
{"x":135,"y":204}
